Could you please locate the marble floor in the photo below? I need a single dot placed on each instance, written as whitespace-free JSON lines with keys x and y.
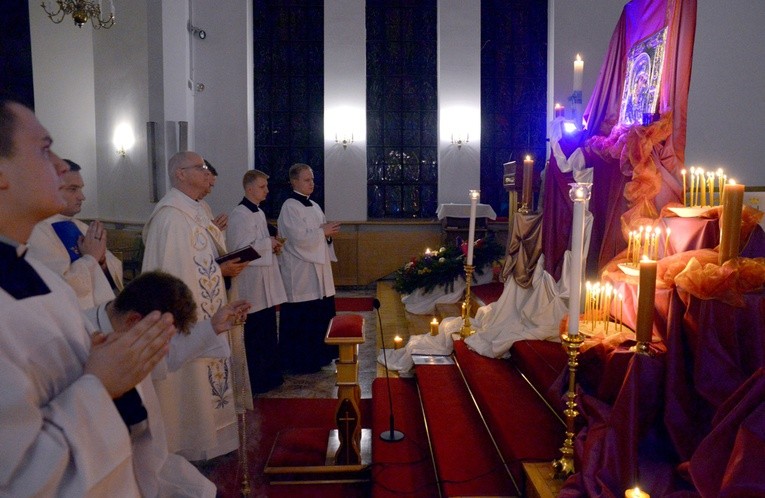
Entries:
{"x":322,"y":384}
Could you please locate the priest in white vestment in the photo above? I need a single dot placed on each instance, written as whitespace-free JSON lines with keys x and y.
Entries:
{"x":159,"y":473}
{"x":307,"y":275}
{"x":60,"y":432}
{"x":196,"y":400}
{"x":260,"y":283}
{"x":75,"y":250}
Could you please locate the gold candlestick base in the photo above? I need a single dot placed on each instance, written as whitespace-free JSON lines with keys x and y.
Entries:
{"x":642,"y":347}
{"x":564,"y":466}
{"x":524,"y":209}
{"x":467,"y":327}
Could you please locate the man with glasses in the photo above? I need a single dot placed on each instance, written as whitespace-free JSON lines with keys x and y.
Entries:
{"x":196,"y":401}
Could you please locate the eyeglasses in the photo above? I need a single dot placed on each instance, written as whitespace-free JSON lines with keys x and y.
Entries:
{"x":203,"y":167}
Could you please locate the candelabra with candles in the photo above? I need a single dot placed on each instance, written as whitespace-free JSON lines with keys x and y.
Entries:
{"x":579,"y":193}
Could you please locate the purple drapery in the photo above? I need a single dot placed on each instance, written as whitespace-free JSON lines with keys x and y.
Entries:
{"x":639,"y":19}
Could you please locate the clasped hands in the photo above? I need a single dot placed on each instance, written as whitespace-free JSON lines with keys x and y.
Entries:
{"x":93,"y":243}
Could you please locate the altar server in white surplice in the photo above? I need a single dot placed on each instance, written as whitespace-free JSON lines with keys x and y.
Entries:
{"x":159,"y":473}
{"x":60,"y":431}
{"x":307,"y":274}
{"x":260,"y":283}
{"x":75,"y":250}
{"x":180,"y":239}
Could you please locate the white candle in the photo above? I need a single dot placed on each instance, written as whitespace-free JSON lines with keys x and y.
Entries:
{"x":578,"y":72}
{"x":474,"y":195}
{"x":579,"y":194}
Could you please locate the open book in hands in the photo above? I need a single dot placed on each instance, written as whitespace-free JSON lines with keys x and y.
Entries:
{"x":245,"y":254}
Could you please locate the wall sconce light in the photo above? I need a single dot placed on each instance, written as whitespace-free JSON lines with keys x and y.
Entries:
{"x":344,"y":141}
{"x":198,"y":32}
{"x":123,"y":139}
{"x":459,"y":142}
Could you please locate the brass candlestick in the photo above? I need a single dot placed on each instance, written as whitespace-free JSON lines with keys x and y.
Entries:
{"x":467,"y":328}
{"x":524,"y":209}
{"x":642,"y":347}
{"x":564,"y":466}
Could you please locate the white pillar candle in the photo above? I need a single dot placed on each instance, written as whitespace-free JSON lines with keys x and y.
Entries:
{"x":578,"y":72}
{"x":474,"y":195}
{"x":579,"y":194}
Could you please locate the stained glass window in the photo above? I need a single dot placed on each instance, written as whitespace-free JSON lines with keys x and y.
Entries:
{"x":289,"y":93}
{"x":402,"y":108}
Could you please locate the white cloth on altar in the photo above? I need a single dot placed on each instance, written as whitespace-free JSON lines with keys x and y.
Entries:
{"x":196,"y":400}
{"x":463,"y":211}
{"x":84,"y":275}
{"x":260,"y":283}
{"x":423,"y":344}
{"x":306,"y":258}
{"x":160,"y":473}
{"x":60,"y":433}
{"x":424,"y":303}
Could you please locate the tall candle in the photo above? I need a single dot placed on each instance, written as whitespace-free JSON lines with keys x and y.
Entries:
{"x":579,"y":194}
{"x":578,"y":72}
{"x":474,"y":194}
{"x":528,"y":174}
{"x":703,"y":201}
{"x":730,"y":229}
{"x":559,"y":110}
{"x":646,"y":298}
{"x":682,"y":172}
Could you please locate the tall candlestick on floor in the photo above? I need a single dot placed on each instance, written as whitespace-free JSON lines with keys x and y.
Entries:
{"x":467,"y":328}
{"x":579,"y":194}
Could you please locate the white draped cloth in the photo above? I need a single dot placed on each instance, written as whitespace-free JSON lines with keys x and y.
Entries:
{"x":159,"y":473}
{"x":519,"y":314}
{"x":306,"y":258}
{"x":261,"y":282}
{"x":60,"y":432}
{"x":196,"y":400}
{"x":424,"y":303}
{"x":85,"y":275}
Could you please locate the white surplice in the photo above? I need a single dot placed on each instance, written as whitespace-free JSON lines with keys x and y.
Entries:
{"x":159,"y":473}
{"x":260,"y":283}
{"x":85,"y":275}
{"x":196,"y":400}
{"x":60,"y":434}
{"x":306,"y":257}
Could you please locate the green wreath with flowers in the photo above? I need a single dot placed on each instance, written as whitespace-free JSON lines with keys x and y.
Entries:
{"x":442,"y":267}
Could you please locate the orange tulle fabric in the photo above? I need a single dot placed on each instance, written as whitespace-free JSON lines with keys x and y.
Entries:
{"x":727,"y":282}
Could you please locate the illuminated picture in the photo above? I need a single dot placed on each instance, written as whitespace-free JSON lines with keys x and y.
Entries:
{"x":642,"y":80}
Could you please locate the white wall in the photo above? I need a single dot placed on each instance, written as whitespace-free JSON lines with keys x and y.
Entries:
{"x":459,"y":98}
{"x":726,"y":106}
{"x":345,"y":101}
{"x":223,"y":112}
{"x":62,"y":64}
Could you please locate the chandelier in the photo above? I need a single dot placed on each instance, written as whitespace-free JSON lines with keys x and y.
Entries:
{"x":80,"y":10}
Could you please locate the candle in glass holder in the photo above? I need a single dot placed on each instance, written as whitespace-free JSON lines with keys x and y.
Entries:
{"x":730,"y":227}
{"x":434,"y":326}
{"x":398,"y":342}
{"x":646,"y":299}
{"x":474,"y":195}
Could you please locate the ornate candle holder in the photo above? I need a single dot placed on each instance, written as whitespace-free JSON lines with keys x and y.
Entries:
{"x":467,"y":328}
{"x":524,"y":209}
{"x":245,"y":490}
{"x":642,"y":347}
{"x":564,"y":466}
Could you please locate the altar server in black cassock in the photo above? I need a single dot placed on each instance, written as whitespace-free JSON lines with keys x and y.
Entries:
{"x":307,"y":274}
{"x":260,"y":283}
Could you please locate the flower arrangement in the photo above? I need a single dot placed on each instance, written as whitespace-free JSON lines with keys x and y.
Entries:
{"x":443,"y":266}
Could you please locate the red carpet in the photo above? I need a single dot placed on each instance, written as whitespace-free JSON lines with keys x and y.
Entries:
{"x":270,"y":416}
{"x":353,"y":304}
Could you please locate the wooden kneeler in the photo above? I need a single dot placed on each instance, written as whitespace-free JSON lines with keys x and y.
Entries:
{"x":297,"y":456}
{"x":347,"y":332}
